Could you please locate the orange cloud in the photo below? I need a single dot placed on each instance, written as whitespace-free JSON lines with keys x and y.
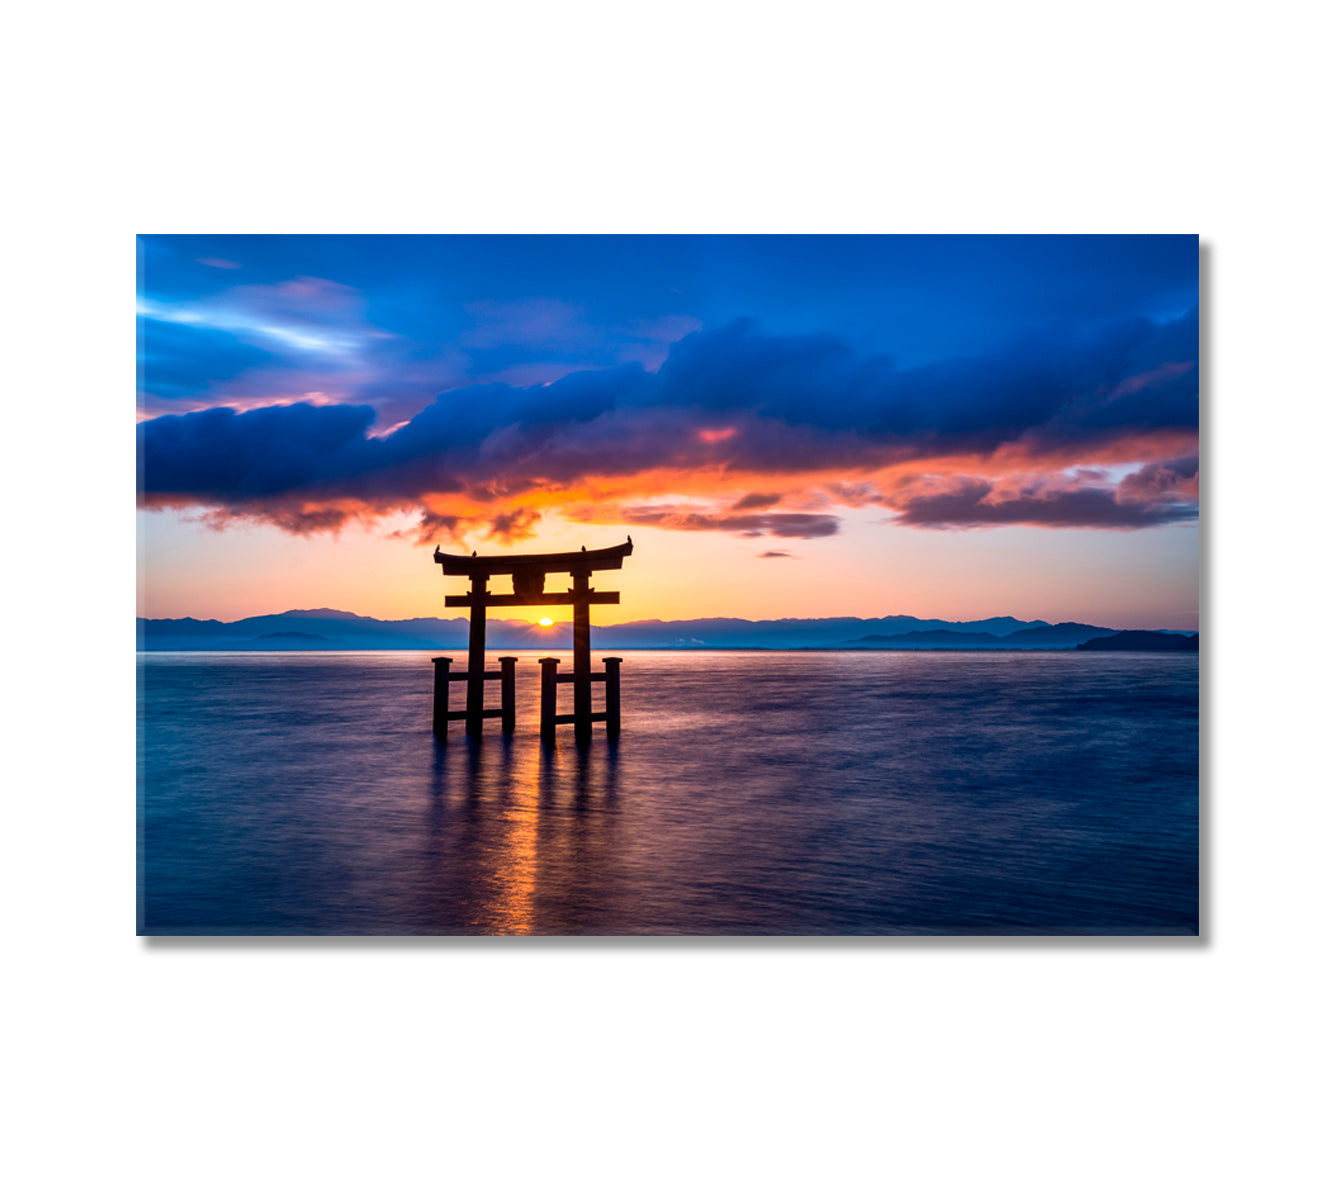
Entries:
{"x":733,"y":425}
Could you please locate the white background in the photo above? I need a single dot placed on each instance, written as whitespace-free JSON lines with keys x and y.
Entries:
{"x":491,"y":1068}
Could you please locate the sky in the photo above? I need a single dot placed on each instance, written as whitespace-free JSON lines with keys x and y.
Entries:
{"x":946,"y":427}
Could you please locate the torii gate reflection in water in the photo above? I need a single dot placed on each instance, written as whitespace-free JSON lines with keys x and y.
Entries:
{"x":529,"y":572}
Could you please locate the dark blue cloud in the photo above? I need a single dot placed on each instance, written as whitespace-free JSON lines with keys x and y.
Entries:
{"x":220,"y":455}
{"x":729,"y":399}
{"x":1055,"y":388}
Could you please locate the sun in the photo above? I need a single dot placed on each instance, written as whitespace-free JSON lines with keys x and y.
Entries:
{"x":547,"y":622}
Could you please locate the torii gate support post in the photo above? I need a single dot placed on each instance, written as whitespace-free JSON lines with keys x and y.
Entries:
{"x":507,"y":693}
{"x":549,"y":666}
{"x":440,"y":704}
{"x":613,"y":676}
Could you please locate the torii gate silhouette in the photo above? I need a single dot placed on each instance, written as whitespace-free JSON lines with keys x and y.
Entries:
{"x":529,"y":572}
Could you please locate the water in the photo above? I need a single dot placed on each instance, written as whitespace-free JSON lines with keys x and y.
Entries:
{"x":799,"y":793}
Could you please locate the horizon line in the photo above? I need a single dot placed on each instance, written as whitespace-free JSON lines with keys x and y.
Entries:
{"x":562,"y":622}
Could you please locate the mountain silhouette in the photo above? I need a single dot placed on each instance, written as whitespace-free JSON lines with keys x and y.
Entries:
{"x":1144,"y":639}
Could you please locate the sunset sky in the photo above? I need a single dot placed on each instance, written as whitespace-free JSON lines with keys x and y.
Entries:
{"x":954,"y":427}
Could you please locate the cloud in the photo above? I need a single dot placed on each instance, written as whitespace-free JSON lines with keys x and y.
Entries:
{"x":967,"y":503}
{"x":775,"y":554}
{"x":1175,"y":480}
{"x":509,"y":527}
{"x":791,"y":525}
{"x":757,"y":500}
{"x":304,"y":315}
{"x":299,"y":450}
{"x":971,"y":441}
{"x":433,"y":527}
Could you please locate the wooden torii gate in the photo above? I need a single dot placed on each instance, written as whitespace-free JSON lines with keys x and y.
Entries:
{"x":529,"y":572}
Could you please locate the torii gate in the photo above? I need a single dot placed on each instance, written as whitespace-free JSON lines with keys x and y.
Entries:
{"x":529,"y":572}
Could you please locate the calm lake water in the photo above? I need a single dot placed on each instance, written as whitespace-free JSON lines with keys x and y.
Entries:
{"x":749,"y":793}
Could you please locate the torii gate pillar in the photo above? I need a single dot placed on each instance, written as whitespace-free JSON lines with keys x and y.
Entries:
{"x":583,"y":665}
{"x":476,"y":653}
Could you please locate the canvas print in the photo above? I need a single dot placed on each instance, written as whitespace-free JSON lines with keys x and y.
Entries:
{"x":668,"y":585}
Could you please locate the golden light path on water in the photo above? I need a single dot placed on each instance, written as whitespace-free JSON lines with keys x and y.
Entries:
{"x":516,"y":874}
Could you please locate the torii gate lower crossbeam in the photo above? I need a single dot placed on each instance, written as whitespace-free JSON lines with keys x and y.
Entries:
{"x":529,"y":573}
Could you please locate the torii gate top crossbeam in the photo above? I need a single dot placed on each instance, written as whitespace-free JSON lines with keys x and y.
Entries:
{"x":574,"y":561}
{"x":530,"y":573}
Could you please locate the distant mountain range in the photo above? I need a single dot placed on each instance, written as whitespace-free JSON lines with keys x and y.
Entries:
{"x":330,"y":629}
{"x":1145,"y":639}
